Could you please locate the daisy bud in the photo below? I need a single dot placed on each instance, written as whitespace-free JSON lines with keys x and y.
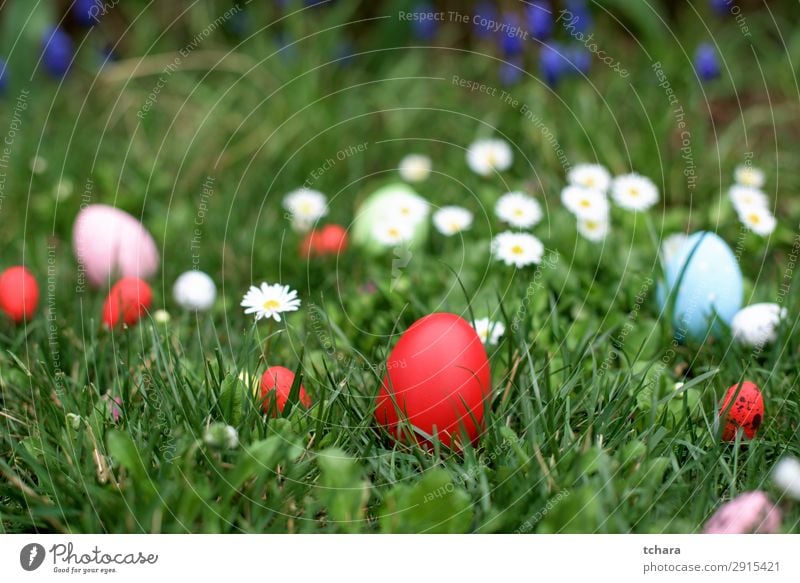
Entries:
{"x":221,"y":436}
{"x":415,"y":168}
{"x":74,"y":420}
{"x":162,"y":317}
{"x":786,"y":476}
{"x":748,"y":513}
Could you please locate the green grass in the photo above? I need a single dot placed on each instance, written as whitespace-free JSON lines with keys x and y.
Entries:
{"x":585,"y":432}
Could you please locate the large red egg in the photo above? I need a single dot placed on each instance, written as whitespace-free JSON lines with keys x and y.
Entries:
{"x":128,"y":300}
{"x":747,"y":410}
{"x":330,"y":240}
{"x":438,"y":375}
{"x":19,"y":293}
{"x":276,"y":382}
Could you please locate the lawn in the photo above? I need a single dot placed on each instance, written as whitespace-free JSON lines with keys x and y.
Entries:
{"x":198,"y":118}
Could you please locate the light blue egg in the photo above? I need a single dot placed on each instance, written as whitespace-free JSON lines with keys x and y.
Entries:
{"x":710,"y":285}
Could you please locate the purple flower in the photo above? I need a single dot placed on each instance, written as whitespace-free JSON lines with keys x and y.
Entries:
{"x":748,"y":513}
{"x":3,"y":76}
{"x":424,"y":24}
{"x":721,"y":6}
{"x":57,"y":51}
{"x":706,"y":63}
{"x":511,"y":72}
{"x":485,"y":15}
{"x":512,"y":41}
{"x":579,"y":58}
{"x":577,"y":17}
{"x":540,"y":18}
{"x":87,"y":12}
{"x":552,"y":63}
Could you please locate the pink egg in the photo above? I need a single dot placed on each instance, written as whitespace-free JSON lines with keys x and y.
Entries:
{"x":109,"y":243}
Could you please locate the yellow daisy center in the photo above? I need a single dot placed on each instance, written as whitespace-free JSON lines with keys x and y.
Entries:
{"x":517,"y":250}
{"x":272,"y":305}
{"x":633,"y":192}
{"x":754,"y":218}
{"x":393,"y":232}
{"x":585,"y":203}
{"x":590,"y":181}
{"x":518,"y":212}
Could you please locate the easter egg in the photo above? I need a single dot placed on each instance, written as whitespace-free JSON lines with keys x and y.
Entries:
{"x":393,"y":204}
{"x":194,"y":291}
{"x":276,"y":383}
{"x":703,"y":279}
{"x":110,"y":243}
{"x":438,"y":378}
{"x":128,"y":300}
{"x":746,"y":410}
{"x":330,"y":240}
{"x":19,"y":293}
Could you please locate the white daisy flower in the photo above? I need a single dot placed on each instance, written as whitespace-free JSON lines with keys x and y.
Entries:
{"x":585,"y":203}
{"x":757,"y":325}
{"x":594,"y":176}
{"x":487,"y":156}
{"x":786,"y":476}
{"x":270,"y":301}
{"x":747,"y":196}
{"x":393,"y":232}
{"x":518,"y":249}
{"x":489,"y":332}
{"x":758,"y":219}
{"x":634,"y":192}
{"x":594,"y":230}
{"x":451,"y":220}
{"x":407,"y":207}
{"x":671,"y":245}
{"x":306,"y":206}
{"x":751,"y":176}
{"x":194,"y":291}
{"x":415,"y":168}
{"x":518,"y":210}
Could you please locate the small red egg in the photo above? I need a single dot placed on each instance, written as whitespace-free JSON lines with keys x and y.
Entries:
{"x":277,"y":380}
{"x":330,"y":240}
{"x":438,"y":376}
{"x":128,"y":300}
{"x":19,"y":293}
{"x":747,"y":410}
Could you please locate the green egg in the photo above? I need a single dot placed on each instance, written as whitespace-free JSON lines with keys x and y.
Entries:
{"x":380,"y":205}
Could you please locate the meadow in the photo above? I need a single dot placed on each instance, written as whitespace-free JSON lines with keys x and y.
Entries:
{"x":198,"y":118}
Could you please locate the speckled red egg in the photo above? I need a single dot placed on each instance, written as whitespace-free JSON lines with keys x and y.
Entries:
{"x":128,"y":300}
{"x":330,"y":240}
{"x":19,"y":293}
{"x":276,"y":382}
{"x":746,"y":410}
{"x":438,"y":376}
